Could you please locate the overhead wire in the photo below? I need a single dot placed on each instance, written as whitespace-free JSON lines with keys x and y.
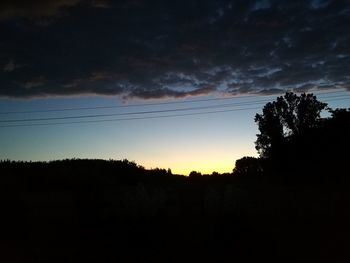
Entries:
{"x":256,"y":102}
{"x":139,"y":113}
{"x":120,"y":106}
{"x":147,"y":104}
{"x":127,"y":119}
{"x":130,"y":113}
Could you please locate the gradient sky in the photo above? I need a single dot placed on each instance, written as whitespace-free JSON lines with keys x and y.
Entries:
{"x":82,"y":53}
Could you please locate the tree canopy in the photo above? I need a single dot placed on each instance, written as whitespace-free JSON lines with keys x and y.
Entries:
{"x":288,"y":115}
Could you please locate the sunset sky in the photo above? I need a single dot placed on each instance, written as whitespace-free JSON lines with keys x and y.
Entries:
{"x":169,"y":84}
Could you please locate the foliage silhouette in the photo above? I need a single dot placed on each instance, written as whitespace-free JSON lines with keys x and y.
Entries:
{"x":248,"y":166}
{"x":295,"y":141}
{"x":288,"y":115}
{"x":195,"y":174}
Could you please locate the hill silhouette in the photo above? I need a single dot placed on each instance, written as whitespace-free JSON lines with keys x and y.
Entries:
{"x":289,"y":205}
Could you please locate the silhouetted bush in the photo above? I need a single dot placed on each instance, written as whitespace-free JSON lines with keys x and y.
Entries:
{"x":248,"y":166}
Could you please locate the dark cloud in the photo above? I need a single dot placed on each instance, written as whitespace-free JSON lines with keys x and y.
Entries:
{"x":10,"y":9}
{"x":271,"y":91}
{"x":100,"y":3}
{"x":10,"y":66}
{"x":156,"y":49}
{"x":166,"y":92}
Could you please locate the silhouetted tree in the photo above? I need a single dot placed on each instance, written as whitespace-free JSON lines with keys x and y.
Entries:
{"x":247,"y":166}
{"x":195,"y":174}
{"x":288,"y":115}
{"x":342,"y":115}
{"x":215,"y":173}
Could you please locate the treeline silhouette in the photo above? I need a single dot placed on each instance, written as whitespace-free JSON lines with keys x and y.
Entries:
{"x":297,"y":145}
{"x":290,"y":204}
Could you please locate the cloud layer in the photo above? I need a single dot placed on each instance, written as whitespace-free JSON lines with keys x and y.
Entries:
{"x":36,"y":9}
{"x":172,"y":48}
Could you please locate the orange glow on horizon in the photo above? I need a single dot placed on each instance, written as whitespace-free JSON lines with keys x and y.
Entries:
{"x":221,"y":162}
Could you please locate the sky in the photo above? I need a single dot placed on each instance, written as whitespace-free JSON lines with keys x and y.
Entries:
{"x":169,"y":84}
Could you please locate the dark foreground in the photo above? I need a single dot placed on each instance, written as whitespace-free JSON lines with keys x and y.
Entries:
{"x":98,"y":211}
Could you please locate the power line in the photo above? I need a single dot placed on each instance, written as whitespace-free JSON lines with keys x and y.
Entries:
{"x":127,"y":119}
{"x":140,"y":118}
{"x":133,"y":113}
{"x":146,"y":112}
{"x":144,"y":104}
{"x":119,"y":106}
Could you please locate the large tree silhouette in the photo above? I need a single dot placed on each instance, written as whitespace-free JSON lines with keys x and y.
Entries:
{"x":288,"y":115}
